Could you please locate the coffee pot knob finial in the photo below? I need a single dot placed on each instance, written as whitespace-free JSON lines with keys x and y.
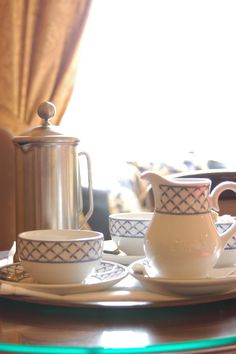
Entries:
{"x":46,"y":111}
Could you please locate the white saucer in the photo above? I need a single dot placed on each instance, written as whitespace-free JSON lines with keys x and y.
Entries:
{"x":120,"y":258}
{"x":105,"y":276}
{"x":220,"y":281}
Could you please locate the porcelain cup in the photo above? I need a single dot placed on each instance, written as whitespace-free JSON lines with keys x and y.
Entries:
{"x":228,"y":254}
{"x":127,"y":230}
{"x":60,"y":256}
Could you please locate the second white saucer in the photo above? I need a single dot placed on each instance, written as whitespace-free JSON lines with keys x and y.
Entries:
{"x":220,"y":281}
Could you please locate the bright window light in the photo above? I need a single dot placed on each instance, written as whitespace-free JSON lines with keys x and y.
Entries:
{"x":156,"y":80}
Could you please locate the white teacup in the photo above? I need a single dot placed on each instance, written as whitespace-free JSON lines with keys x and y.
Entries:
{"x":228,"y":254}
{"x":128,"y":231}
{"x":60,"y":256}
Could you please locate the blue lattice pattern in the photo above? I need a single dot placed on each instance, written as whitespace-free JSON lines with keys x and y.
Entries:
{"x":107,"y":271}
{"x":222,"y":227}
{"x":127,"y":228}
{"x":184,"y":199}
{"x":60,"y":252}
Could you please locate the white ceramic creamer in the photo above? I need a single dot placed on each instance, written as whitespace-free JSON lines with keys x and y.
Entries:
{"x":182,"y":240}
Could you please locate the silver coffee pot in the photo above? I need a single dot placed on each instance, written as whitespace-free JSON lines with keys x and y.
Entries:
{"x":48,"y":178}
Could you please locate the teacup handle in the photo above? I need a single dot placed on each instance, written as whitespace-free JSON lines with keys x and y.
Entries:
{"x":215,"y":193}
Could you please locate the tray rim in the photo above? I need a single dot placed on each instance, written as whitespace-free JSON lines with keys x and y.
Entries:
{"x":154,"y":300}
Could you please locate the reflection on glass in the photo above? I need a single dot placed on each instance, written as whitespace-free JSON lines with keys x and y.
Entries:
{"x":124,"y":339}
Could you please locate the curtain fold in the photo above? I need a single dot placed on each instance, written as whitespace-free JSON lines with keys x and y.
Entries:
{"x":38,"y":57}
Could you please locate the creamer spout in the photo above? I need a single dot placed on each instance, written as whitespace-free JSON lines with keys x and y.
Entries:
{"x":154,"y":178}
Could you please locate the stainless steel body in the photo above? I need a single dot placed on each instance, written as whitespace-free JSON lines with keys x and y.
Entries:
{"x":49,"y":192}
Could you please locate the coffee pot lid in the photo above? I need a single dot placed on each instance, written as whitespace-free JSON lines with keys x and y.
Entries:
{"x":45,"y":132}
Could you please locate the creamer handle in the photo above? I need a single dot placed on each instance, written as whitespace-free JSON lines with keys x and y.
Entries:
{"x":90,"y":188}
{"x":215,"y":193}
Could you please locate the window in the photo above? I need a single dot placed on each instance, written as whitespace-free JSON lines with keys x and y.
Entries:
{"x":156,"y":80}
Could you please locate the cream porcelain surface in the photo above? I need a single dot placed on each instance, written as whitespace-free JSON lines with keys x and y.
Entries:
{"x":216,"y":282}
{"x":62,"y":256}
{"x":228,"y":254}
{"x":122,"y":259}
{"x":105,"y":275}
{"x":182,"y":240}
{"x":182,"y":250}
{"x":127,"y":230}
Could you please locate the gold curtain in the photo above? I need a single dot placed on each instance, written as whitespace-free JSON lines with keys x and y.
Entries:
{"x":38,"y":57}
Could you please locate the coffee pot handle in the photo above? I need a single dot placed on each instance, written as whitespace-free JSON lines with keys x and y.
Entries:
{"x":90,"y":189}
{"x":215,"y":193}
